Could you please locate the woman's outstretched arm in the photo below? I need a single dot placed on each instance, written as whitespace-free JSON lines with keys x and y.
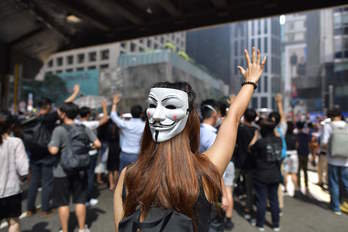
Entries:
{"x":220,"y":152}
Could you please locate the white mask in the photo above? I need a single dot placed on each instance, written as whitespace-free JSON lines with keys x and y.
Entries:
{"x":167,"y":112}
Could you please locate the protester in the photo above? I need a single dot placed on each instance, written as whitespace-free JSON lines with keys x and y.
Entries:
{"x":70,"y":142}
{"x":41,"y":162}
{"x":210,"y":117}
{"x":85,"y":114}
{"x":279,"y":118}
{"x":303,"y":141}
{"x":131,"y":132}
{"x":335,"y":140}
{"x":14,"y":166}
{"x":242,"y":158}
{"x":111,"y":132}
{"x":170,"y":175}
{"x":266,"y":172}
{"x":291,"y":160}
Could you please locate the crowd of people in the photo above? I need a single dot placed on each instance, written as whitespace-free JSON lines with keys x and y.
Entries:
{"x":160,"y":150}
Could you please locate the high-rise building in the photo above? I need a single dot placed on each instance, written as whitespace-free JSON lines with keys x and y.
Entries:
{"x":221,"y":50}
{"x":265,"y":35}
{"x":105,"y":56}
{"x":211,"y":49}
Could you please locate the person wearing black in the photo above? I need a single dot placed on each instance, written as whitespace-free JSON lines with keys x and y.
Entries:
{"x":109,"y":135}
{"x":303,"y":141}
{"x":266,"y":154}
{"x":291,"y":160}
{"x":41,"y":162}
{"x":242,"y":159}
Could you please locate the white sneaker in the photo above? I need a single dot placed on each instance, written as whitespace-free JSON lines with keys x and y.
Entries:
{"x":261,"y":228}
{"x":338,"y":213}
{"x":93,"y":202}
{"x":84,"y":229}
{"x":276,"y":229}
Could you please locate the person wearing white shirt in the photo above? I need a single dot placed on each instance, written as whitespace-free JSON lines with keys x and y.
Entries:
{"x":131,"y":132}
{"x":208,"y":134}
{"x":85,"y":113}
{"x":337,"y":164}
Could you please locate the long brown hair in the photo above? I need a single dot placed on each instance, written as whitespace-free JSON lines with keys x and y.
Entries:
{"x":170,"y":174}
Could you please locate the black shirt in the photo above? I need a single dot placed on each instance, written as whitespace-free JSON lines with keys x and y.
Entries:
{"x":303,"y":140}
{"x":291,"y":142}
{"x":241,"y":156}
{"x":265,"y":171}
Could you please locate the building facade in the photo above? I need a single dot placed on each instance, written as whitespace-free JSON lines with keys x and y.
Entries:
{"x":265,"y":35}
{"x":106,"y":56}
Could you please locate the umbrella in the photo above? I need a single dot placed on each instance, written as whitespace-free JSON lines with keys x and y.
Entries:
{"x":93,"y":102}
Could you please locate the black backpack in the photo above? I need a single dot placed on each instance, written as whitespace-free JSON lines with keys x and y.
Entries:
{"x":36,"y":136}
{"x":76,"y":157}
{"x":157,"y":220}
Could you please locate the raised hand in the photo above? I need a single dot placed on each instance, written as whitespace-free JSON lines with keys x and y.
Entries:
{"x":76,"y":88}
{"x":116,"y":99}
{"x":278,"y":98}
{"x":254,"y":66}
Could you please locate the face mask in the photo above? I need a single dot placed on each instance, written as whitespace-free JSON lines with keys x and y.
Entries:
{"x":167,"y":112}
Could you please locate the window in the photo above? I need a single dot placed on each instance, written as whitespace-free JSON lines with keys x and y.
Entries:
{"x":264,"y":103}
{"x":50,"y":63}
{"x":59,"y":71}
{"x":258,"y":27}
{"x":80,"y":58}
{"x":149,"y":43}
{"x":265,"y":83}
{"x":70,"y":60}
{"x":133,"y":47}
{"x":236,"y":71}
{"x":265,"y":27}
{"x":258,"y":43}
{"x":123,"y":45}
{"x":236,"y":51}
{"x":104,"y":66}
{"x":265,"y":47}
{"x":252,"y":27}
{"x":254,"y":103}
{"x":59,"y":61}
{"x":104,"y":54}
{"x":91,"y":67}
{"x":92,"y":56}
{"x":80,"y":69}
{"x":69,"y":70}
{"x":259,"y":86}
{"x":252,"y":42}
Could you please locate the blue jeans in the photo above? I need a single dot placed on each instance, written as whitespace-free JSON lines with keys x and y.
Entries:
{"x":335,"y":173}
{"x":40,"y":173}
{"x":127,"y":159}
{"x":262,"y":191}
{"x":91,"y":168}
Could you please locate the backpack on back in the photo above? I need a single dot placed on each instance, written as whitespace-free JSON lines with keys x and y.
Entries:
{"x":77,"y":156}
{"x":36,"y":136}
{"x":338,"y":144}
{"x":157,"y":220}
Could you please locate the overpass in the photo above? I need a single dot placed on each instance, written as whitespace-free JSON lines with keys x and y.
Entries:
{"x":31,"y":30}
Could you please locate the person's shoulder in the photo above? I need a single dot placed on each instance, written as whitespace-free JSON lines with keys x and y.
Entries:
{"x":15,"y":140}
{"x":60,"y":129}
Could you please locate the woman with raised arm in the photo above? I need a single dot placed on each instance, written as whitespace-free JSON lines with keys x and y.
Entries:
{"x":171,"y":186}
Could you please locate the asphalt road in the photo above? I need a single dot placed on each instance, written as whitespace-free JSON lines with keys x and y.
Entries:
{"x":304,"y":214}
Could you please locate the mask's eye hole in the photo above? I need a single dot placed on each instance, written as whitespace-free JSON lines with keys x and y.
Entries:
{"x":152,"y":105}
{"x":171,"y":107}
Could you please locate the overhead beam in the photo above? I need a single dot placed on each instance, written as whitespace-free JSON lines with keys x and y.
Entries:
{"x":169,"y":7}
{"x":86,"y":13}
{"x":128,"y":13}
{"x":45,"y":19}
{"x":220,"y":4}
{"x":26,"y":36}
